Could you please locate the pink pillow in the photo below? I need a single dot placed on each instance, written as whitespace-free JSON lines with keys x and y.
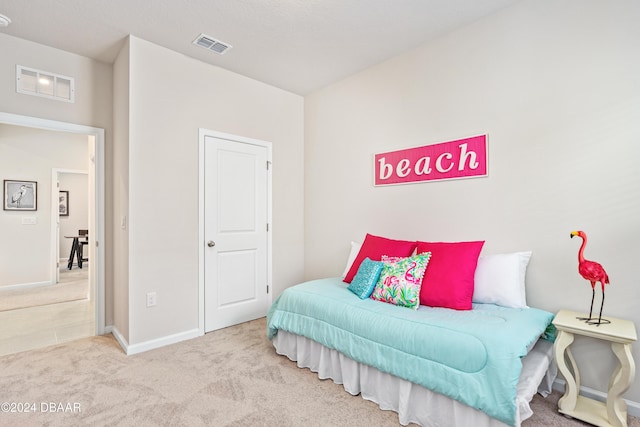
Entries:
{"x":374,"y":247}
{"x":449,"y":279}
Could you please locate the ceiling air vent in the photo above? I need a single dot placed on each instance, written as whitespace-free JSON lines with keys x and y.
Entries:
{"x":212,"y":44}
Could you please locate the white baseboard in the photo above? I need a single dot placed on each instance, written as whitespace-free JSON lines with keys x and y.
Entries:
{"x":118,"y":336}
{"x":633,"y":408}
{"x":130,"y":349}
{"x":27,"y":285}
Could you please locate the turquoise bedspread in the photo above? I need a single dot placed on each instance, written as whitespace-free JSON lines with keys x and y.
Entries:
{"x":472,"y":356}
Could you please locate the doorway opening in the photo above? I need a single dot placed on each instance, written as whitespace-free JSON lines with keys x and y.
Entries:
{"x":95,"y":209}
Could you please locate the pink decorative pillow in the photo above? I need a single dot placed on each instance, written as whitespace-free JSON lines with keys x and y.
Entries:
{"x":449,"y":280}
{"x":374,"y":247}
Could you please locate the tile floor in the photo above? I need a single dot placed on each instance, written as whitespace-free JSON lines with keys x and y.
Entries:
{"x":36,"y":327}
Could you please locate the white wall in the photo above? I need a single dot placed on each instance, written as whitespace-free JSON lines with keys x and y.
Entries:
{"x":93,"y":107}
{"x":120,"y":182}
{"x":159,"y":151}
{"x":30,"y":154}
{"x":555,"y":86}
{"x":170,"y":98}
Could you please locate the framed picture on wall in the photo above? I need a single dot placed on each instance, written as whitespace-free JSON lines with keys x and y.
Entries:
{"x":20,"y":195}
{"x":63,"y":203}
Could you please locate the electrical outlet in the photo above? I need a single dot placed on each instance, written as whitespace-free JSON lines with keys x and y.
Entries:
{"x":151,"y":299}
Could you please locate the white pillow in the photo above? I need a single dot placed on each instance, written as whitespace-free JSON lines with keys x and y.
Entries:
{"x":355,"y":248}
{"x":500,"y":279}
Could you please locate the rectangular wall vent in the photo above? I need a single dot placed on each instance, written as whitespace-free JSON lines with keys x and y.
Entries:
{"x":211,"y":44}
{"x":43,"y":83}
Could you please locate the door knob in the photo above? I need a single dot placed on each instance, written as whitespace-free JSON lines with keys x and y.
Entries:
{"x":211,"y":243}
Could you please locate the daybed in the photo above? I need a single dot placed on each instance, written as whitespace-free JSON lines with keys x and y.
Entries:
{"x":434,"y":366}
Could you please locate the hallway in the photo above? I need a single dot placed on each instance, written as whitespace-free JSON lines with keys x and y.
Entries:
{"x":35,"y":327}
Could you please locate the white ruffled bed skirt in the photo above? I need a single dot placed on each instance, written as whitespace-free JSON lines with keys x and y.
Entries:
{"x":414,"y":403}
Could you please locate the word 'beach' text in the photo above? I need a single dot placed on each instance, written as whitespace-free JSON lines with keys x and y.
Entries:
{"x":463,"y":158}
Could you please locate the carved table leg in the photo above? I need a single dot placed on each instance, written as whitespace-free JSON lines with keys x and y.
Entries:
{"x":620,"y":381}
{"x":571,"y":376}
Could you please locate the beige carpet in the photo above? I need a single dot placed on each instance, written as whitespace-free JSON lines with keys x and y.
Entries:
{"x":230,"y":377}
{"x":74,"y":285}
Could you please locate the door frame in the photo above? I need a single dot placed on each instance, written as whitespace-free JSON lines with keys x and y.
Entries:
{"x":55,"y":220}
{"x":202,"y":134}
{"x":96,"y":215}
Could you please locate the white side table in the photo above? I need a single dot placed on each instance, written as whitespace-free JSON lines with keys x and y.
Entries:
{"x":620,"y":333}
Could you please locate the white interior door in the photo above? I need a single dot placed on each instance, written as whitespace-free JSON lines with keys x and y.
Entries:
{"x":235,"y":230}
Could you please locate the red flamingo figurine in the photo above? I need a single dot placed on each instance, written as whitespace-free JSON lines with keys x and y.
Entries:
{"x":593,"y":272}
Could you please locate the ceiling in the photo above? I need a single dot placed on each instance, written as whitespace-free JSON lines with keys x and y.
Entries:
{"x":296,"y":45}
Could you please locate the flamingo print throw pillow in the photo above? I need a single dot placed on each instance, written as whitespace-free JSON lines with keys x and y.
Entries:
{"x":401,"y":279}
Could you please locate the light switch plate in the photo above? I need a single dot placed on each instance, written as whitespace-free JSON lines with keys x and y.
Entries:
{"x":29,"y":220}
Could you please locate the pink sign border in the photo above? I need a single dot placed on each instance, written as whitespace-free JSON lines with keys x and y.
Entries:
{"x":486,"y":160}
